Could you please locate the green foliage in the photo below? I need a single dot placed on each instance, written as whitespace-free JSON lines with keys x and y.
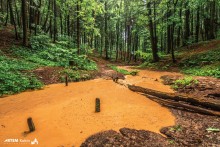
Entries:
{"x":202,"y":59}
{"x":213,"y":129}
{"x":12,"y":77}
{"x":171,"y":142}
{"x":144,"y":56}
{"x":55,"y":55}
{"x":204,"y":64}
{"x":15,"y":75}
{"x":186,"y":81}
{"x":15,"y":64}
{"x":148,"y":65}
{"x":74,"y":75}
{"x":155,"y":66}
{"x":39,"y":42}
{"x":176,"y":128}
{"x":123,"y":71}
{"x":213,"y":71}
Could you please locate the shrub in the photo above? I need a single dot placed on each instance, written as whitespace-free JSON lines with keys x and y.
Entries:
{"x":186,"y":81}
{"x":39,"y":42}
{"x":73,"y":75}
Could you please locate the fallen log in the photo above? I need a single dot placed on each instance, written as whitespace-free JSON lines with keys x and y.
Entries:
{"x":212,"y":104}
{"x":183,"y":106}
{"x":178,"y":100}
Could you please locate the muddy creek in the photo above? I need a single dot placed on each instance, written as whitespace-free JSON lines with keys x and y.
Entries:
{"x":65,"y":116}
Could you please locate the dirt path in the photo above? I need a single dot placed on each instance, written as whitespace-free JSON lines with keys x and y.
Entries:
{"x":64,"y":116}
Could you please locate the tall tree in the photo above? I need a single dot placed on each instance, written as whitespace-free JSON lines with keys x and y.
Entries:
{"x":24,"y":22}
{"x":78,"y":25}
{"x":12,"y":18}
{"x":55,"y":21}
{"x":153,"y":38}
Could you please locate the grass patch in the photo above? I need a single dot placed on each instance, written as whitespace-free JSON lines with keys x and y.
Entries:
{"x":176,"y":128}
{"x":186,"y":81}
{"x":74,"y":75}
{"x":123,"y":71}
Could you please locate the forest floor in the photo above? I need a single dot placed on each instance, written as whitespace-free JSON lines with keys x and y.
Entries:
{"x":121,"y":109}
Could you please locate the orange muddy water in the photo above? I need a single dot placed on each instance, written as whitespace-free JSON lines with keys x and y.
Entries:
{"x":64,"y":116}
{"x":149,"y":79}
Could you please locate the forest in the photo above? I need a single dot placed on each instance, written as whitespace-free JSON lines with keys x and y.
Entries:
{"x":110,"y":72}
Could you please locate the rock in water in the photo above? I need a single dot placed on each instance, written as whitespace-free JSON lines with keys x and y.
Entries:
{"x":117,"y":76}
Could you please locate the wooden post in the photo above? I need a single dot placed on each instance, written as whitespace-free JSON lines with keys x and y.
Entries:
{"x":71,"y":63}
{"x":66,"y":80}
{"x":97,"y":105}
{"x":31,"y":124}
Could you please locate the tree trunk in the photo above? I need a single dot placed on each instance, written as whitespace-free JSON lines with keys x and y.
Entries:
{"x":197,"y":24}
{"x":106,"y":32}
{"x":152,"y":34}
{"x":47,"y":16}
{"x":24,"y":21}
{"x":55,"y":21}
{"x":12,"y":18}
{"x":78,"y":26}
{"x":187,"y":23}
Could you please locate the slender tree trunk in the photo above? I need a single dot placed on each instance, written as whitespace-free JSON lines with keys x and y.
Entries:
{"x":197,"y":25}
{"x":55,"y":21}
{"x":180,"y":27}
{"x":17,"y":14}
{"x":117,"y":40}
{"x":31,"y":15}
{"x":106,"y":32}
{"x":68,"y":25}
{"x":153,"y":38}
{"x":47,"y":16}
{"x":78,"y":26}
{"x":13,"y":19}
{"x":6,"y":21}
{"x":169,"y":41}
{"x":212,"y":19}
{"x":61,"y":23}
{"x":187,"y":23}
{"x":24,"y":21}
{"x":2,"y":8}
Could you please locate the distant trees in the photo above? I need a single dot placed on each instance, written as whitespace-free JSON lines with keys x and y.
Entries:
{"x":120,"y":29}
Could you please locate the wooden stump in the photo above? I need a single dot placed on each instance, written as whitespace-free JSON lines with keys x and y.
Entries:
{"x":66,"y":80}
{"x":31,"y":124}
{"x":97,"y":105}
{"x":71,"y":63}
